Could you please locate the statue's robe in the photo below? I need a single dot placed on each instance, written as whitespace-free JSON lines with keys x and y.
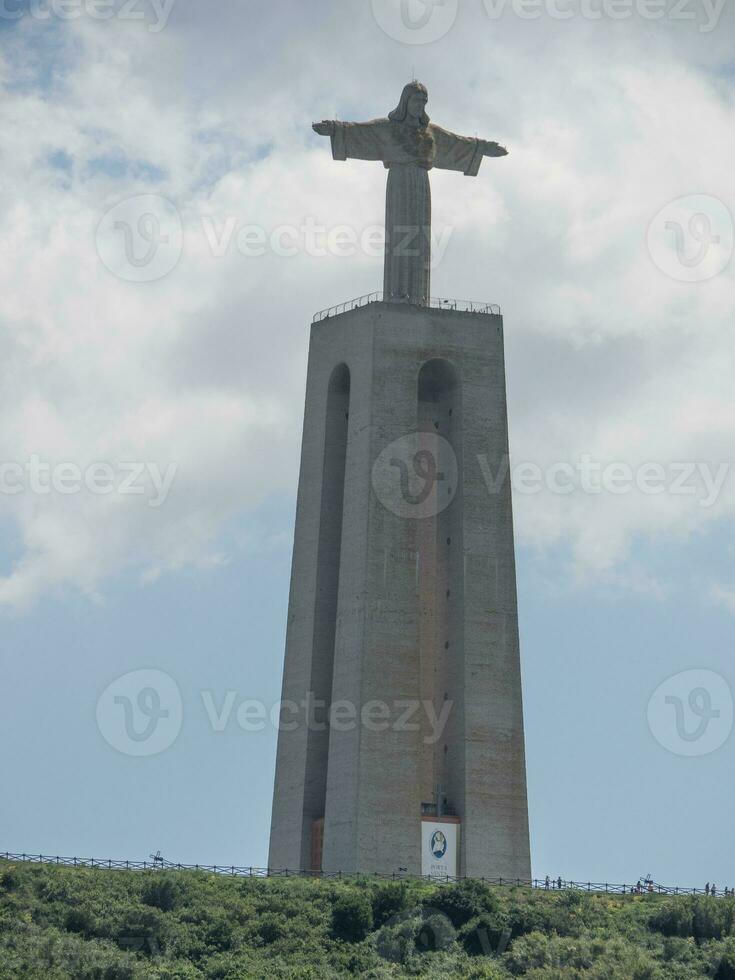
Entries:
{"x":408,"y":153}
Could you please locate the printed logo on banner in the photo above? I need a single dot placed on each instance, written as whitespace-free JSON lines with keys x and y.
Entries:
{"x":438,"y":844}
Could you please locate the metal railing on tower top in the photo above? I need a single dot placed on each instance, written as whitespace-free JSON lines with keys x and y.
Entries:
{"x":435,"y":303}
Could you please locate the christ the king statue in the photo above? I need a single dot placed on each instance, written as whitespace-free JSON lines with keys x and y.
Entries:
{"x":409,"y":146}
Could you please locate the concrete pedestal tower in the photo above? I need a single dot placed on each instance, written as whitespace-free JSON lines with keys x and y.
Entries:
{"x":401,"y":742}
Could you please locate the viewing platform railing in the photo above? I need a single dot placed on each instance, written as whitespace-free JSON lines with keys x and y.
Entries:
{"x":435,"y":303}
{"x":644,"y":886}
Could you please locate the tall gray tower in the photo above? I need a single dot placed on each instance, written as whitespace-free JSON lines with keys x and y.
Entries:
{"x":401,"y":741}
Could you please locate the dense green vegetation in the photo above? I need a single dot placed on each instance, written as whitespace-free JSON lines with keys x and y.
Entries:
{"x":123,"y":925}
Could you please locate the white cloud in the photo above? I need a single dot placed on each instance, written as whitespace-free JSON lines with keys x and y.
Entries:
{"x":205,"y":368}
{"x":724,"y":597}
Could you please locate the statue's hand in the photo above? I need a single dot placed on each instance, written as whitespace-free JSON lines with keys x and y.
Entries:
{"x":324,"y":128}
{"x":494,"y":150}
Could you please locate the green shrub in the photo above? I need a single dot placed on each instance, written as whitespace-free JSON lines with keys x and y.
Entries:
{"x":396,"y":942}
{"x":389,"y":901}
{"x":726,"y":966}
{"x":435,"y":932}
{"x":81,"y":920}
{"x":674,"y":919}
{"x":463,"y":901}
{"x":141,"y":929}
{"x":418,"y":932}
{"x":486,"y":934}
{"x":528,"y":953}
{"x":713,"y":918}
{"x":163,"y":891}
{"x":700,"y":918}
{"x":271,"y":927}
{"x":9,"y":879}
{"x":352,"y":917}
{"x":220,"y":933}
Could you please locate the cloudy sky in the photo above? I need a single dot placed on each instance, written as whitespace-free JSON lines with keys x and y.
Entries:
{"x":168,"y":225}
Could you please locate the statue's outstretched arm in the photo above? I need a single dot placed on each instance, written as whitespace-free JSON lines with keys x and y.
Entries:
{"x":357,"y":141}
{"x":463,"y":153}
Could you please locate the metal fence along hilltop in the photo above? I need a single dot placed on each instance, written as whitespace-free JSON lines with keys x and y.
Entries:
{"x":643,"y":886}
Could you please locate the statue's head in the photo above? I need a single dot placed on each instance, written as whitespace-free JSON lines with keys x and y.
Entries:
{"x":412,"y":105}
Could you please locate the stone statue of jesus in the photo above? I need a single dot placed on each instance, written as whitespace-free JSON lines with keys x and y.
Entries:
{"x":409,"y":146}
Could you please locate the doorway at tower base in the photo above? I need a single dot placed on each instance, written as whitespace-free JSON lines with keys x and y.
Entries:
{"x":440,"y":846}
{"x":317,"y":844}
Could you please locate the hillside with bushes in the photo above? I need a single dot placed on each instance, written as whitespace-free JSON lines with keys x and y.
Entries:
{"x":91,"y":924}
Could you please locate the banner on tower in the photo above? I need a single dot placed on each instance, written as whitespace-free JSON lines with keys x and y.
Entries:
{"x":440,"y":846}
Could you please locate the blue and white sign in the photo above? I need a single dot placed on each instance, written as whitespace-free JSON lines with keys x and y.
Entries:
{"x":439,"y":848}
{"x":438,"y":844}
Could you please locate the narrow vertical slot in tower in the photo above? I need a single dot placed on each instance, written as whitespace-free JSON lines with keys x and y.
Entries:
{"x":440,"y":572}
{"x":325,"y":611}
